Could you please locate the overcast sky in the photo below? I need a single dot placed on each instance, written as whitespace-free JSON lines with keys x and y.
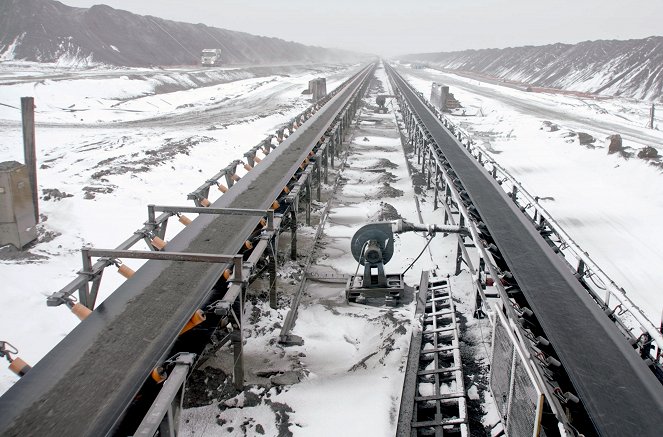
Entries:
{"x":392,"y":27}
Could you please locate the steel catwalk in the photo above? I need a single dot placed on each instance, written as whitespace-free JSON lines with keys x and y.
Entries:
{"x":84,"y":385}
{"x":621,"y":395}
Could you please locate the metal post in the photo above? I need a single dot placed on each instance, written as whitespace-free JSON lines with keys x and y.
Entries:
{"x":318,"y":171}
{"x":430,"y":170}
{"x":84,"y":290}
{"x":293,"y":231}
{"x":436,"y":181}
{"x":332,"y":143}
{"x":238,"y":354}
{"x":307,"y":187}
{"x":326,"y":163}
{"x":651,"y":116}
{"x":272,"y":274}
{"x":29,"y":151}
{"x":423,"y":151}
{"x":459,"y":249}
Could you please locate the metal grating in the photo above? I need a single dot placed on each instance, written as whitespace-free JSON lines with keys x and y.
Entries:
{"x":516,"y":392}
{"x":524,"y":402}
{"x":501,"y":363}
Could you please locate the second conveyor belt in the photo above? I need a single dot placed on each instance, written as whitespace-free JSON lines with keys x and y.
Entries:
{"x":621,"y":395}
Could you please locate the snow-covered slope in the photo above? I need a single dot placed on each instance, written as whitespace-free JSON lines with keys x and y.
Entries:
{"x":632,"y":68}
{"x":49,"y":31}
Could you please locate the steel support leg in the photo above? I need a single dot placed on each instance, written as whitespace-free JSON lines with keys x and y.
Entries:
{"x":430,"y":170}
{"x":272,"y":274}
{"x":332,"y":144}
{"x":293,"y":231}
{"x":459,"y":249}
{"x":318,"y":171}
{"x":307,"y":187}
{"x":326,"y":162}
{"x":436,"y":180}
{"x":423,"y":152}
{"x":238,"y":354}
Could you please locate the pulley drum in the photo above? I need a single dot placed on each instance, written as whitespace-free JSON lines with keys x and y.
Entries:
{"x":379,"y":232}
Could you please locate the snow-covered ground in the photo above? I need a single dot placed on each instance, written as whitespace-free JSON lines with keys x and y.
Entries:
{"x":347,"y":377}
{"x":611,"y":206}
{"x":115,"y":143}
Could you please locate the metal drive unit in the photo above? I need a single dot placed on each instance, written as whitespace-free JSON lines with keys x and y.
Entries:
{"x":373,"y":246}
{"x":17,"y":214}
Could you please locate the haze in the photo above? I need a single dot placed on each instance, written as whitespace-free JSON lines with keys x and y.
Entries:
{"x":391,"y":27}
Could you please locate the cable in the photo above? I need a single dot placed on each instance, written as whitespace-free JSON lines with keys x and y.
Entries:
{"x":419,"y":256}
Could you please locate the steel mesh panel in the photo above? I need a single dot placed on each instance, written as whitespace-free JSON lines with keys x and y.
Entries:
{"x":500,"y":368}
{"x":524,"y":401}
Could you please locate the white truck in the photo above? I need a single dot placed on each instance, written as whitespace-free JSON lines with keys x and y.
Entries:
{"x":210,"y":57}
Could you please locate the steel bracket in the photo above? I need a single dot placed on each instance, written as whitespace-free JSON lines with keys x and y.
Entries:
{"x":173,"y":210}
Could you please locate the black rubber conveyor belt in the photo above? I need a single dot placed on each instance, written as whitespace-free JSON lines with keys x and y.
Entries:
{"x":84,"y":385}
{"x":621,"y":395}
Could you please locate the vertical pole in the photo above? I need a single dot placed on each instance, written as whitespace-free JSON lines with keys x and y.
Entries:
{"x":459,"y":249}
{"x":319,"y":174}
{"x":436,"y":180}
{"x":238,"y":354}
{"x":84,"y":290}
{"x":307,"y":187}
{"x":326,"y":161}
{"x":28,"y":116}
{"x":293,"y":231}
{"x":651,"y":116}
{"x":424,"y":150}
{"x":272,"y":274}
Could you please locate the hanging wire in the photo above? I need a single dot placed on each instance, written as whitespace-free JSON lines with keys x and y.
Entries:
{"x":419,"y":256}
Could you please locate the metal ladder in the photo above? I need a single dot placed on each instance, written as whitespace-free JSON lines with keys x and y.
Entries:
{"x":433,"y":402}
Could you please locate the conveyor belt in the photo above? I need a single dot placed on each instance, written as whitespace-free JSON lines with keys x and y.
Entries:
{"x":621,"y":395}
{"x":83,"y":386}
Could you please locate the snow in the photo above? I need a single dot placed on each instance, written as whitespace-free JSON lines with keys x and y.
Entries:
{"x":114,"y":165}
{"x":134,"y":137}
{"x":609,"y":205}
{"x":353,"y":357}
{"x":8,"y":53}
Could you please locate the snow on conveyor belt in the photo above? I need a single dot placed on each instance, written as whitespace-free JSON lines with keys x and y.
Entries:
{"x":620,"y":393}
{"x":83,"y":386}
